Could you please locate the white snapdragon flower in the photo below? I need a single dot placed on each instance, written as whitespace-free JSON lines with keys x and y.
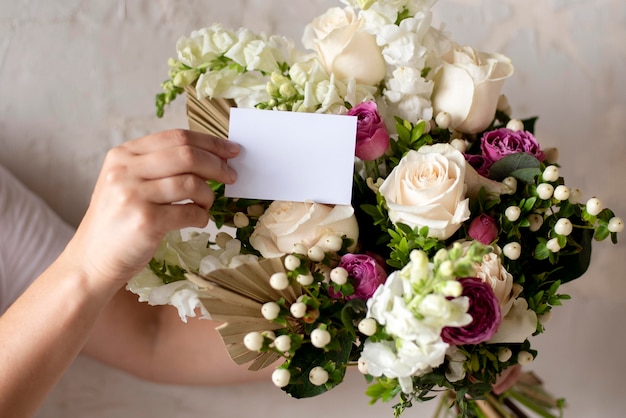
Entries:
{"x":402,"y":44}
{"x":190,"y":254}
{"x":204,"y":45}
{"x":408,"y":95}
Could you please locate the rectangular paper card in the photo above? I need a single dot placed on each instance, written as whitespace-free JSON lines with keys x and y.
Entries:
{"x":292,"y":156}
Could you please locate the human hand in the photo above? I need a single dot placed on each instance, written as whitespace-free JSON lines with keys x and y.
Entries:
{"x":134,"y":201}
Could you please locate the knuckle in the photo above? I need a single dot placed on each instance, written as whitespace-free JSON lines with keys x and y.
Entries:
{"x":179,"y":136}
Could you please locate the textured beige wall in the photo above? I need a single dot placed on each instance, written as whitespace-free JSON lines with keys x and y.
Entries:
{"x":79,"y":76}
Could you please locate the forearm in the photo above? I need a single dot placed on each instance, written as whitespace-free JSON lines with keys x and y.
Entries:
{"x":43,"y":331}
{"x":154,"y":344}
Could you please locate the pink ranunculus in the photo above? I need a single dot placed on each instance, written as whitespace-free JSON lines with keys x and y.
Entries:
{"x":484,"y":310}
{"x":501,"y":142}
{"x":372,"y":137}
{"x":483,"y":229}
{"x":366,"y":272}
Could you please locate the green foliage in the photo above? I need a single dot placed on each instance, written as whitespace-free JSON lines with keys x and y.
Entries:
{"x":167,"y":272}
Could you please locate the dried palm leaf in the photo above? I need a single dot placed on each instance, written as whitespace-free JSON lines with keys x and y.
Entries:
{"x":235,"y":296}
{"x":208,"y":115}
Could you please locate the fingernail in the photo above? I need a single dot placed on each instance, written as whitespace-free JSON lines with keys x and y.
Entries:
{"x":232,"y":147}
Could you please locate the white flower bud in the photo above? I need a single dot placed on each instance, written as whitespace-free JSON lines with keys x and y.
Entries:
{"x":443,"y":120}
{"x":446,"y":269}
{"x":594,"y":206}
{"x":281,"y":377}
{"x":561,"y":192}
{"x":318,"y":376}
{"x":551,"y":173}
{"x":255,"y":210}
{"x":511,"y":183}
{"x":536,"y":221}
{"x":241,"y":220}
{"x":331,"y":243}
{"x":298,"y":309}
{"x":575,"y":195}
{"x":305,"y":279}
{"x":452,"y":288}
{"x":300,"y":249}
{"x":368,"y":326}
{"x":459,"y":144}
{"x":512,"y":250}
{"x":270,"y":310}
{"x":553,"y":245}
{"x":503,"y":105}
{"x":222,"y":238}
{"x":362,"y":366}
{"x":515,"y":125}
{"x":504,"y":354}
{"x":563,"y":227}
{"x":282,"y":343}
{"x":253,"y":341}
{"x":513,"y":213}
{"x":616,"y":224}
{"x":524,"y":358}
{"x":291,"y":262}
{"x":552,"y":155}
{"x":545,"y":191}
{"x":316,"y":253}
{"x":320,"y":338}
{"x":339,"y":275}
{"x":279,"y":280}
{"x":545,"y":318}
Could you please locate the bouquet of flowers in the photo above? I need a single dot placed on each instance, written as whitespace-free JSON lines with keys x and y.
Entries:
{"x":450,"y":257}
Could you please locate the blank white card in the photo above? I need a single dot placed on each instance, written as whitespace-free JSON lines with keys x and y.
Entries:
{"x":292,"y":156}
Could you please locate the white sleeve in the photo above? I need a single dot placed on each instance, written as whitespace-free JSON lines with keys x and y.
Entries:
{"x":31,"y":237}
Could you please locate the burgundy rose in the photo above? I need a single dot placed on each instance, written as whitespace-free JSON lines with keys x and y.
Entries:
{"x":484,"y":310}
{"x":499,"y":143}
{"x":372,"y":137}
{"x":366,"y":273}
{"x":483,"y":229}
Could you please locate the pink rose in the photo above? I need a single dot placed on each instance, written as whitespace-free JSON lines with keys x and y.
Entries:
{"x":484,"y":310}
{"x":499,"y":143}
{"x":366,"y":272}
{"x":483,"y":229}
{"x":372,"y":137}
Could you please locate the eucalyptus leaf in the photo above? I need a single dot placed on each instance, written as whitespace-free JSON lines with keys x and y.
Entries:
{"x":511,"y":163}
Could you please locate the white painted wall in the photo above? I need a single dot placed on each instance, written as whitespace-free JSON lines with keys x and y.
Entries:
{"x":79,"y":76}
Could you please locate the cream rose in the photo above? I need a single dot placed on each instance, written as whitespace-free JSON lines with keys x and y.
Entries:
{"x":468,"y":85}
{"x":519,"y":324}
{"x":427,"y":188}
{"x":285,"y":224}
{"x":344,"y":48}
{"x":492,"y":272}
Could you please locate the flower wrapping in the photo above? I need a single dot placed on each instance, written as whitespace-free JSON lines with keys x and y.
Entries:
{"x":461,"y":230}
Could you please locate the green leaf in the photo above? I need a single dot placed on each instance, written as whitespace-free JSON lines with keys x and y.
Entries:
{"x":308,"y":357}
{"x":513,"y":163}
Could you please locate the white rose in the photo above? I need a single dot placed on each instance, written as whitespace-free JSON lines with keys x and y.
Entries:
{"x":285,"y":224}
{"x":468,"y":86}
{"x":427,"y":188}
{"x":344,"y":48}
{"x":492,"y":272}
{"x":519,"y":324}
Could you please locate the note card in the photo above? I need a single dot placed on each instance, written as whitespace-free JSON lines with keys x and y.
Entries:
{"x":292,"y":156}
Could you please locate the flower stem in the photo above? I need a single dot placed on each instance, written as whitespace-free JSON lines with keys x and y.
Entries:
{"x":542,"y":412}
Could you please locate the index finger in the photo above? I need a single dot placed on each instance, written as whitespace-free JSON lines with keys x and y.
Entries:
{"x":160,"y":141}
